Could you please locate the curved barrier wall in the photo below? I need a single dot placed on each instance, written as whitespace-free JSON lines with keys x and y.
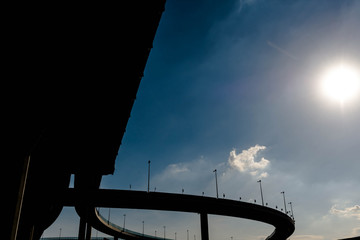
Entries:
{"x":85,"y":203}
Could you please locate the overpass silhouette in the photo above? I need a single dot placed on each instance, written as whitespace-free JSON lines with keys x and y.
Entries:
{"x":83,"y":63}
{"x":124,"y":232}
{"x":71,"y":118}
{"x":284,"y":224}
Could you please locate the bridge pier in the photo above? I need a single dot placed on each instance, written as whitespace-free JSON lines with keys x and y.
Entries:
{"x":88,"y":231}
{"x":82,"y":229}
{"x":204,"y":226}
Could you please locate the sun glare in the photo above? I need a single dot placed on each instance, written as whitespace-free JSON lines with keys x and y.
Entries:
{"x":341,"y":83}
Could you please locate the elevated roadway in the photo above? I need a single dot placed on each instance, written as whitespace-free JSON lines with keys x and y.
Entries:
{"x":122,"y":232}
{"x":85,"y":61}
{"x":86,"y":202}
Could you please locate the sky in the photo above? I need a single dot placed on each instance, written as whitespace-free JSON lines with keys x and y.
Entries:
{"x":237,"y":86}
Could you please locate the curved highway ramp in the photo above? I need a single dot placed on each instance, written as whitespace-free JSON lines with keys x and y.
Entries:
{"x":123,"y":232}
{"x":85,"y":203}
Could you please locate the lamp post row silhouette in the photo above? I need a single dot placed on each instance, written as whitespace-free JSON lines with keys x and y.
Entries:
{"x":217,"y":196}
{"x":217,"y":189}
{"x":261,"y":192}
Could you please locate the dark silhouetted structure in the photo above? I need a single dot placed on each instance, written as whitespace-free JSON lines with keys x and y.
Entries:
{"x":72,"y":72}
{"x":71,"y":76}
{"x":284,"y":224}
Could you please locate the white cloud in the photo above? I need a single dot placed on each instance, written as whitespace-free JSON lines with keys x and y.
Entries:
{"x":245,"y":161}
{"x":347,"y":212}
{"x":175,"y":172}
{"x":176,"y":169}
{"x":193,"y":176}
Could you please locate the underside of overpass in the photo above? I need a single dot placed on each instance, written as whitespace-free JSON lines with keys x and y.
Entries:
{"x":72,"y":74}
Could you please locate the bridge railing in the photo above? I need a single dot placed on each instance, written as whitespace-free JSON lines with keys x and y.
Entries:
{"x":125,"y":230}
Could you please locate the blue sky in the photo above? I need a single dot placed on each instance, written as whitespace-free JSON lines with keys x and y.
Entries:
{"x":235,"y":85}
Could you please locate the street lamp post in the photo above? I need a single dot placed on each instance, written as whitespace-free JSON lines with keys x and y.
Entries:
{"x":109,"y":216}
{"x":143,"y":227}
{"x":262,"y":198}
{"x":124,"y":222}
{"x":292,"y":213}
{"x":187,"y":234}
{"x":217,"y":190}
{"x":149,"y":175}
{"x":164,"y":231}
{"x":60,"y":233}
{"x":283,"y":193}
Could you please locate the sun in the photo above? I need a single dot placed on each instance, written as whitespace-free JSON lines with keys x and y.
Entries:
{"x":341,"y":83}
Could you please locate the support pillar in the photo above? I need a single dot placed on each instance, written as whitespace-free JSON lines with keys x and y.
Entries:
{"x":23,"y":175}
{"x":204,"y":226}
{"x":88,"y":231}
{"x":82,"y":229}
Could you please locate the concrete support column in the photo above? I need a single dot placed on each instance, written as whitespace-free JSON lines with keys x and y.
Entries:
{"x":23,"y":175}
{"x":204,"y":226}
{"x":82,"y":229}
{"x":88,"y":231}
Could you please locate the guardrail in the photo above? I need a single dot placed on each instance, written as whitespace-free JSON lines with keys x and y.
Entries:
{"x":124,"y":230}
{"x":85,"y":203}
